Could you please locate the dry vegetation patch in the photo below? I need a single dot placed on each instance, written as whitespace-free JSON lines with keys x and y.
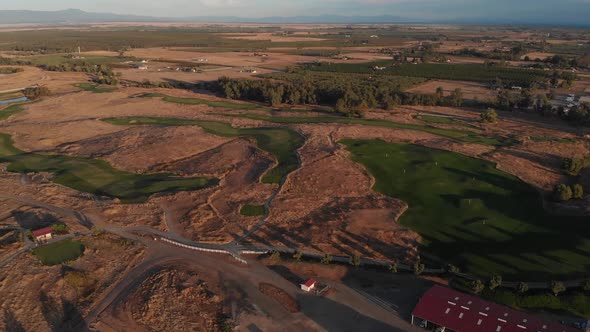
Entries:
{"x":279,"y":295}
{"x":175,"y":300}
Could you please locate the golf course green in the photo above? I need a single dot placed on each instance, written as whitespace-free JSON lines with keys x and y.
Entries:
{"x":282,"y":143}
{"x":96,"y":176}
{"x":475,"y":216}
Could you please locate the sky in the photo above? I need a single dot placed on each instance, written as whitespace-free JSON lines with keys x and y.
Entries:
{"x":507,"y":10}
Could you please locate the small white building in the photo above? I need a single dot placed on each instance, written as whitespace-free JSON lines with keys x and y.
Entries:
{"x":308,"y":286}
{"x":43,"y":234}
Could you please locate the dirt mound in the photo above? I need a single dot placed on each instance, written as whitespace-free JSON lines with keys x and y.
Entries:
{"x":217,"y":161}
{"x":143,"y":148}
{"x":279,"y":295}
{"x":175,"y":300}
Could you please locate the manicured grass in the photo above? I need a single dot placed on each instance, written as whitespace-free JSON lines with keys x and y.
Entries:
{"x":59,"y":252}
{"x":475,"y":216}
{"x":282,"y":143}
{"x":94,"y":88}
{"x":252,"y":210}
{"x":96,"y":176}
{"x":444,"y":120}
{"x":459,"y":135}
{"x":11,"y":110}
{"x":198,"y":101}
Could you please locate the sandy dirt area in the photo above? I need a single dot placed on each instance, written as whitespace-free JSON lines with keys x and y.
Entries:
{"x":470,"y":90}
{"x":56,"y":82}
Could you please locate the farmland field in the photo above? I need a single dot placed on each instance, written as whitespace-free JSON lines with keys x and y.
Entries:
{"x":473,"y":215}
{"x":96,"y":176}
{"x":460,"y":72}
{"x":59,"y":252}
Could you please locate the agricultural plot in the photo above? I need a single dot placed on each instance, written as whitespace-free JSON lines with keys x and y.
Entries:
{"x":457,"y":72}
{"x":96,"y":176}
{"x":281,"y":143}
{"x":473,"y":215}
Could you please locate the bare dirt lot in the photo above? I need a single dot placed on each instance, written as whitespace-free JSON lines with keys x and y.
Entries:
{"x":50,"y":298}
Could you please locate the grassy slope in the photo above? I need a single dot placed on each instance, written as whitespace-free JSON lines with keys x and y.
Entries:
{"x":198,"y":101}
{"x":280,"y":142}
{"x":475,"y":216}
{"x":96,"y":176}
{"x":59,"y":252}
{"x":11,"y":110}
{"x":444,"y":120}
{"x":459,"y":135}
{"x":94,"y":88}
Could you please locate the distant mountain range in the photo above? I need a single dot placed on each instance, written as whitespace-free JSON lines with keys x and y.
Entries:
{"x":79,"y":16}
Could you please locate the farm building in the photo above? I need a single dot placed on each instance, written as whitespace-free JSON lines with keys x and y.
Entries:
{"x":43,"y":234}
{"x":308,"y":285}
{"x":460,"y":312}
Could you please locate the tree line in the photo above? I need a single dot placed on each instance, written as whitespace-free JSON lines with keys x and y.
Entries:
{"x":346,"y":96}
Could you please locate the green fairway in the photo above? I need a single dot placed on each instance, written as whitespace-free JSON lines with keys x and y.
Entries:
{"x":198,"y":101}
{"x":282,"y":143}
{"x":94,"y":88}
{"x":59,"y":252}
{"x":96,"y":176}
{"x":252,"y":210}
{"x":459,"y":135}
{"x":475,"y":216}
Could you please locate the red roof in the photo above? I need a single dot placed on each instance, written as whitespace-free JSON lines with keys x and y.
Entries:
{"x":309,"y":283}
{"x":462,"y":312}
{"x":42,"y":231}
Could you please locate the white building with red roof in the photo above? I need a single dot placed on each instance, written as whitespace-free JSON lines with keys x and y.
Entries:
{"x":308,"y":285}
{"x":43,"y":234}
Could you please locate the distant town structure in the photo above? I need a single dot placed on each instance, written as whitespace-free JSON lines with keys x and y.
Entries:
{"x":308,"y":286}
{"x":43,"y":234}
{"x":450,"y":310}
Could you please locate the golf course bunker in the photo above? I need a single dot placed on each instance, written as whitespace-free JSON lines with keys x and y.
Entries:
{"x":473,"y":215}
{"x":96,"y":176}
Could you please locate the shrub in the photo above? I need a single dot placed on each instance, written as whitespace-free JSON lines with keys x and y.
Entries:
{"x":297,"y":255}
{"x":37,"y":92}
{"x":557,"y":287}
{"x":327,"y":259}
{"x":418,"y":268}
{"x":477,"y":286}
{"x":355,"y":260}
{"x":522,"y":287}
{"x":392,"y":268}
{"x":563,"y":193}
{"x":275,"y":255}
{"x":59,"y":228}
{"x":489,"y":116}
{"x":495,"y":281}
{"x":578,"y":191}
{"x":452,"y":268}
